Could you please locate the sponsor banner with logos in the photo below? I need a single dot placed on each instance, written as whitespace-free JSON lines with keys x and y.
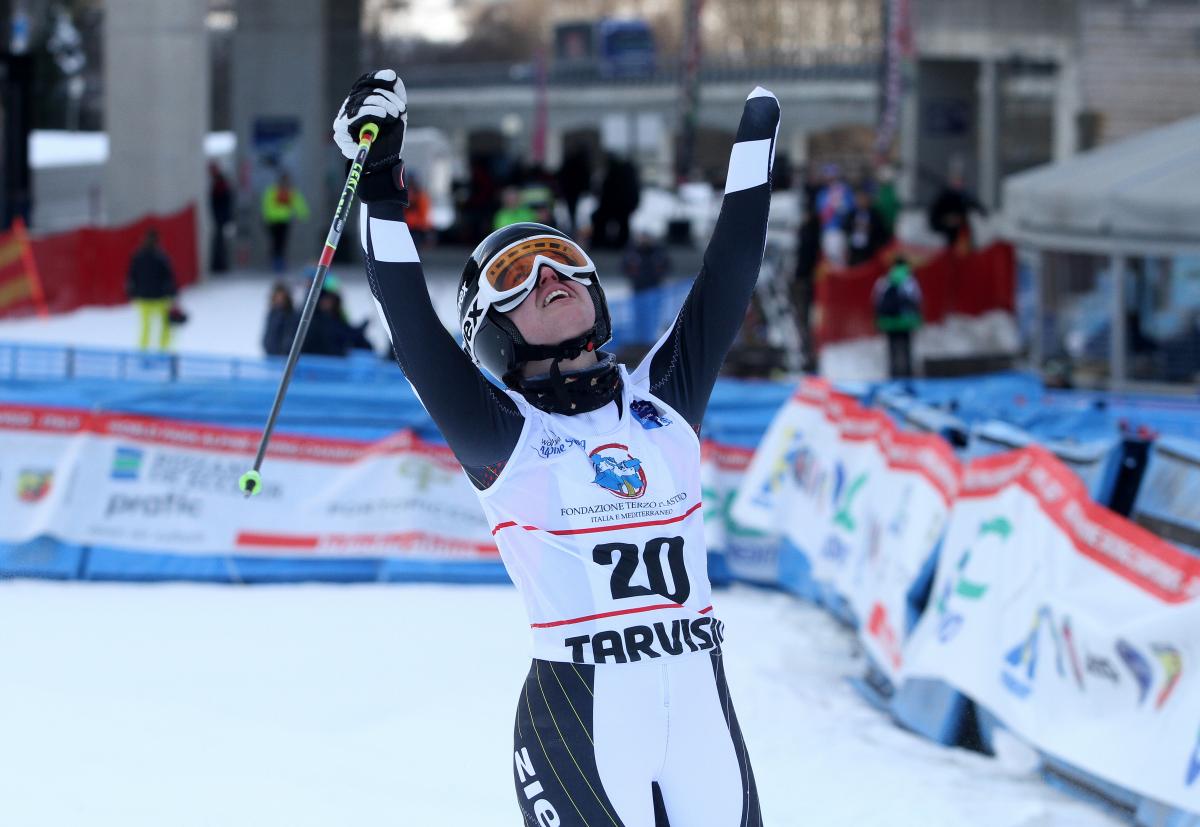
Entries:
{"x":908,"y":511}
{"x":37,"y":450}
{"x":1077,"y":628}
{"x":864,"y":502}
{"x":158,"y":485}
{"x":750,"y":554}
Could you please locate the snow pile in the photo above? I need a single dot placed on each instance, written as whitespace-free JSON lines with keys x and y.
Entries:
{"x":865,"y":360}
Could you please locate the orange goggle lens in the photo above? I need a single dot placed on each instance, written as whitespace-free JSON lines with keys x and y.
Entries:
{"x":514,"y":265}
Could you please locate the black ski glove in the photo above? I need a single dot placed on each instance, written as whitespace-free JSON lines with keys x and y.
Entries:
{"x":378,"y":98}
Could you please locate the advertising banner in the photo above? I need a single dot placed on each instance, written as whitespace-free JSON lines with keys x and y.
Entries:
{"x":750,"y":554}
{"x":1077,"y":628}
{"x":156,"y":485}
{"x":919,"y":480}
{"x":864,"y":502}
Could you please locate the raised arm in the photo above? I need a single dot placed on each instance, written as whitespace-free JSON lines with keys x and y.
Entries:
{"x":682,"y":367}
{"x":480,"y":423}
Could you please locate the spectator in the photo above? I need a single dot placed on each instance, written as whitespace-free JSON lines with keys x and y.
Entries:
{"x":897,"y":300}
{"x":220,"y":204}
{"x":865,"y":229}
{"x":282,"y":204}
{"x":950,"y":213}
{"x":282,"y":321}
{"x":808,"y":256}
{"x":575,"y":179}
{"x":330,"y":333}
{"x":151,"y":288}
{"x":834,"y":199}
{"x":481,"y":202}
{"x":646,"y":264}
{"x":887,"y":200}
{"x":419,"y":212}
{"x":834,"y":202}
{"x":512,"y":210}
{"x":539,"y":198}
{"x":620,"y":193}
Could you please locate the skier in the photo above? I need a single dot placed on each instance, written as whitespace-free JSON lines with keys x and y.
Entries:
{"x":589,"y":474}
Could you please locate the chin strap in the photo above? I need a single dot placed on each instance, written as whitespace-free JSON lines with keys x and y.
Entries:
{"x":579,"y":391}
{"x":569,"y":349}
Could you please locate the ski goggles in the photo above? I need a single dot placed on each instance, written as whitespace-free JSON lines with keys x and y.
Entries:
{"x":512,"y":274}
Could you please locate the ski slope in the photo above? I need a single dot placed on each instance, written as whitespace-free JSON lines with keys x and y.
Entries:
{"x":188,"y":705}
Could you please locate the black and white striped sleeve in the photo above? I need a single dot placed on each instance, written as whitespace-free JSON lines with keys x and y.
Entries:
{"x":682,"y":366}
{"x":480,"y":424}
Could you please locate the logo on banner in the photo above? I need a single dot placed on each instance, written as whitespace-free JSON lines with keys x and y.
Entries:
{"x":618,"y":471}
{"x":153,"y":506}
{"x":424,"y":473}
{"x":34,"y":484}
{"x":127,"y":463}
{"x":899,"y":521}
{"x":843,"y":497}
{"x":1138,"y":666}
{"x":960,"y":587}
{"x":880,"y":627}
{"x":1101,"y":667}
{"x":1172,"y":664}
{"x":1193,"y":770}
{"x":187,"y":471}
{"x":1072,"y":656}
{"x":1022,"y":659}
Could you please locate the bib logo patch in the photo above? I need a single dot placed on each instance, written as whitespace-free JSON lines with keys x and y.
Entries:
{"x":647,"y":415}
{"x":618,"y":471}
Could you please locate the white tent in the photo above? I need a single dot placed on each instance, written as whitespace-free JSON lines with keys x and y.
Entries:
{"x":1124,"y":202}
{"x":1138,"y":196}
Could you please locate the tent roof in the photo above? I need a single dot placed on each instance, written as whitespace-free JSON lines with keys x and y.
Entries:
{"x":1145,"y":189}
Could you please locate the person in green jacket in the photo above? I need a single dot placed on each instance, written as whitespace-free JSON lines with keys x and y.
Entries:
{"x":281,"y":205}
{"x":512,"y":209}
{"x":887,"y":200}
{"x":897,"y":300}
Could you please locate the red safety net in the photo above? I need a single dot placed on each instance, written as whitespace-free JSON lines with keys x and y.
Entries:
{"x":951,"y":283}
{"x":89,"y":266}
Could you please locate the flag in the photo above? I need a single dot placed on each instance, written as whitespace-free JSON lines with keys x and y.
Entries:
{"x":20,"y":286}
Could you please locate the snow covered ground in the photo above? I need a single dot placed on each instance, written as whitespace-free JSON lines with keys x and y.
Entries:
{"x":192,"y":705}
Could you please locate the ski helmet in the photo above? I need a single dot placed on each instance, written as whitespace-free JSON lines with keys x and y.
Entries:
{"x":500,"y":274}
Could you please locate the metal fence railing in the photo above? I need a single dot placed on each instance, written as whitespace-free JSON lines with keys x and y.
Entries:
{"x":841,"y":64}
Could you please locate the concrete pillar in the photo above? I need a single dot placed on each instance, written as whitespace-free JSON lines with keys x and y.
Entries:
{"x":156,"y":83}
{"x":989,"y":132}
{"x":1119,"y":342}
{"x":293,"y":63}
{"x":554,"y":147}
{"x":908,"y":177}
{"x":1066,"y":109}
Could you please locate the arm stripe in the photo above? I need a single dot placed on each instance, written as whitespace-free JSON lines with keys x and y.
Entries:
{"x":392,"y":242}
{"x":749,"y":165}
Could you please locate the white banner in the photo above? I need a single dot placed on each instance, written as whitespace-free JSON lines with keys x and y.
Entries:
{"x":919,"y":481}
{"x":159,"y":485}
{"x":864,"y":502}
{"x":750,"y":554}
{"x":1078,"y":629}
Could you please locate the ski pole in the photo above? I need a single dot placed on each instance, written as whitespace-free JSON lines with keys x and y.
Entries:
{"x":251,"y":482}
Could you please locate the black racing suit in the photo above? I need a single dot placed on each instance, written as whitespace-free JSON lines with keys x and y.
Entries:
{"x":482,"y":426}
